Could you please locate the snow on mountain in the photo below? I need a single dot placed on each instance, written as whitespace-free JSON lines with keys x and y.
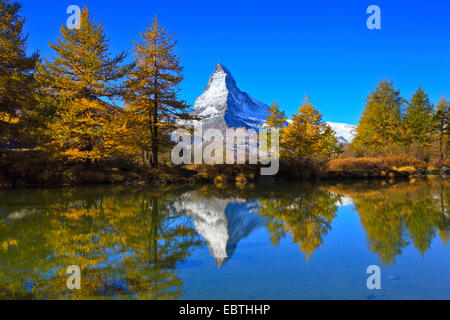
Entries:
{"x":209,"y":221}
{"x":344,"y":132}
{"x":223,"y":105}
{"x":221,"y":222}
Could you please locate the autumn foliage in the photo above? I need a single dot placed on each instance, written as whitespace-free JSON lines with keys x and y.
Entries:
{"x":86,"y":108}
{"x":307,"y":138}
{"x":79,"y":82}
{"x":391,"y":125}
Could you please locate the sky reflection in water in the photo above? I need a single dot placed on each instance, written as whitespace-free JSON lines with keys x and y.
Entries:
{"x":270,"y":241}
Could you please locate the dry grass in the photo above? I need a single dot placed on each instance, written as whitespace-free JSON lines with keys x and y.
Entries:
{"x":397,"y":163}
{"x":404,"y":161}
{"x":354,"y":164}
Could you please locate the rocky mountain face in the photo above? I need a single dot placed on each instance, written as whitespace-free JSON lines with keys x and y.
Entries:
{"x":223,"y":105}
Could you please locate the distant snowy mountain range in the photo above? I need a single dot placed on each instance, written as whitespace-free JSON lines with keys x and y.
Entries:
{"x":344,"y":132}
{"x":223,"y":105}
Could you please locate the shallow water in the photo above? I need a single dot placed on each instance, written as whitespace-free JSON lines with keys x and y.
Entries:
{"x":269,"y":241}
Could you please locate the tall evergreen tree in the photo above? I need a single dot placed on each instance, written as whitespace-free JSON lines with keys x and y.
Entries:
{"x":16,"y":70}
{"x":418,"y":119}
{"x":82,"y":79}
{"x":152,"y":87}
{"x":277,"y":118}
{"x":308,"y":139}
{"x":442,"y":127}
{"x":381,"y":124}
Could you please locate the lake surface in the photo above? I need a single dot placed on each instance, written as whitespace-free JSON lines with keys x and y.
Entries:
{"x":268,"y":241}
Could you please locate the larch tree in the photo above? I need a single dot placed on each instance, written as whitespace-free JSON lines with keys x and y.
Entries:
{"x":380,"y":127}
{"x":83,"y":79}
{"x":129,"y":139}
{"x":16,"y":70}
{"x":442,"y":127}
{"x":277,"y":118}
{"x":418,"y":121}
{"x":152,"y":89}
{"x":308,"y":139}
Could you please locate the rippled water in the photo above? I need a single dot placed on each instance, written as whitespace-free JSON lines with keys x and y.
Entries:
{"x":269,"y":241}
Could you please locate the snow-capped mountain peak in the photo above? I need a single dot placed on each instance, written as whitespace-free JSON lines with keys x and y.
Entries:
{"x":223,"y":105}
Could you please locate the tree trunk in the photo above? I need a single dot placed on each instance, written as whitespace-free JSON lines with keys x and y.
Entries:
{"x":143,"y":158}
{"x":155,"y":161}
{"x":155,"y":138}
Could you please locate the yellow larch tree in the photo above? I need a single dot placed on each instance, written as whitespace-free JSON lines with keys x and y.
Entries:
{"x":16,"y":71}
{"x":82,"y":81}
{"x":277,"y":118}
{"x":308,"y":139}
{"x":152,"y":90}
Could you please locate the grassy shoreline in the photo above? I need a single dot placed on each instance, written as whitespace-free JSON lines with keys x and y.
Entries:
{"x":24,"y":169}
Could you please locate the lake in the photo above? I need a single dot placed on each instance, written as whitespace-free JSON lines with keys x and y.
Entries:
{"x":272,"y":240}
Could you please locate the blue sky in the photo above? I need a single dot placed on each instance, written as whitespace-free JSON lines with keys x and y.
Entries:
{"x":281,"y":50}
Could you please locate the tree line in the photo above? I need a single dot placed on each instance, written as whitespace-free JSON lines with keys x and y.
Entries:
{"x":70,"y":106}
{"x":392,"y":125}
{"x":86,"y":105}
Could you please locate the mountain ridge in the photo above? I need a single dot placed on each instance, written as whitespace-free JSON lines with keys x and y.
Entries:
{"x":223,"y":105}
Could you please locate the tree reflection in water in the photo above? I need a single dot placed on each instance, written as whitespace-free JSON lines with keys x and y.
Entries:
{"x":129,"y":242}
{"x":305,"y":211}
{"x":395,"y":216}
{"x":126,"y":242}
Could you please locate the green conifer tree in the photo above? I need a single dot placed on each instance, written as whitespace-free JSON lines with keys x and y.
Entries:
{"x":380,"y":127}
{"x":442,"y":127}
{"x":418,"y":121}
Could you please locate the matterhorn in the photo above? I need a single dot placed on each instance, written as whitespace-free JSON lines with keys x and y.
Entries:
{"x":222,"y":223}
{"x":223,"y":105}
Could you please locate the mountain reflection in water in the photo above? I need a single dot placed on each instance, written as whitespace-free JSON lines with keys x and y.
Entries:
{"x":132,"y":242}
